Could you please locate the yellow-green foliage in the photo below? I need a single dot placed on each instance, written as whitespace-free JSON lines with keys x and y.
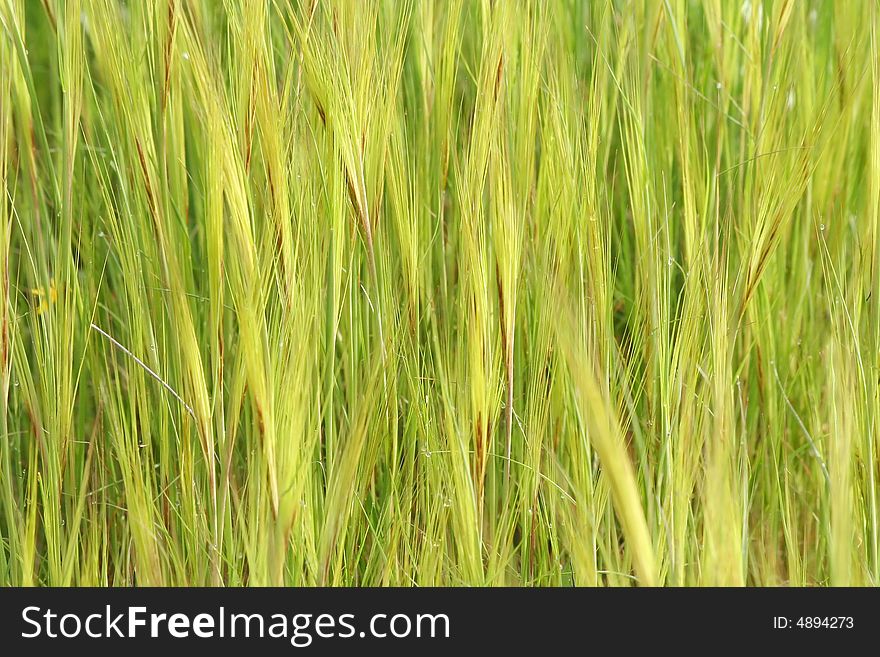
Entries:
{"x":439,"y":292}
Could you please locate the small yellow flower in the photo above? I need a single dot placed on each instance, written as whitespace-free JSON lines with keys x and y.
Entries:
{"x":42,"y":299}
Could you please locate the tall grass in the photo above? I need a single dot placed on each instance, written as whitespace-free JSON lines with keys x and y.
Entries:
{"x":412,"y":292}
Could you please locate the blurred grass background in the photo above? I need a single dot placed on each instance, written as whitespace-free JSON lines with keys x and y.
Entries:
{"x":416,"y":292}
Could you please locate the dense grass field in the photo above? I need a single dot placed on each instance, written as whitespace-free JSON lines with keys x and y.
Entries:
{"x":439,"y":292}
